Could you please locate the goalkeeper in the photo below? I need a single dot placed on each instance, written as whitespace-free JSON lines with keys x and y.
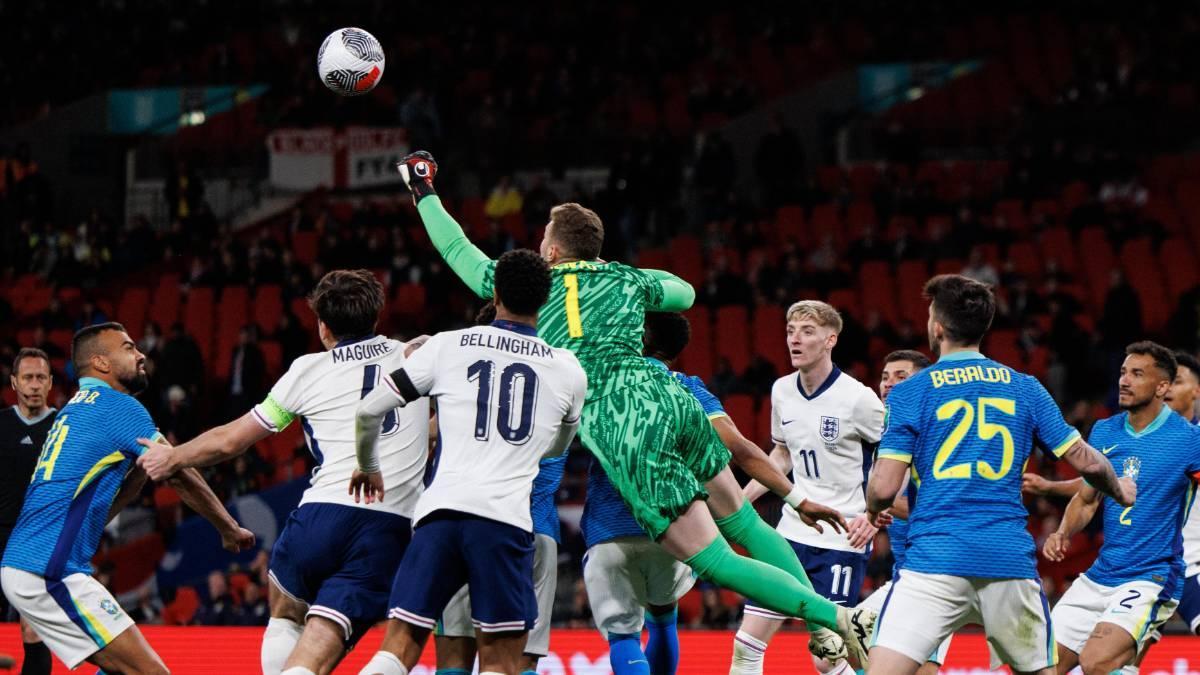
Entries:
{"x":649,"y":434}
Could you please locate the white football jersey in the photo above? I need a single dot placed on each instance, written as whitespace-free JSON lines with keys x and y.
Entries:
{"x":505,"y":399}
{"x":829,"y":436}
{"x":322,"y":392}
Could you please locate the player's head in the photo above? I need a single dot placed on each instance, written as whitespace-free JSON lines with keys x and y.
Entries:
{"x":1146,"y":375}
{"x":347,"y":304}
{"x":812,"y":332}
{"x":898,"y":367}
{"x":31,"y":378}
{"x":960,"y":311}
{"x":105,"y":351}
{"x":1185,"y":389}
{"x":666,"y":334}
{"x":573,"y":233}
{"x":522,"y":284}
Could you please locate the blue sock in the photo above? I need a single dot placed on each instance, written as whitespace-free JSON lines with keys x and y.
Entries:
{"x":451,"y":671}
{"x":625,"y":654}
{"x":529,"y":672}
{"x":662,"y":647}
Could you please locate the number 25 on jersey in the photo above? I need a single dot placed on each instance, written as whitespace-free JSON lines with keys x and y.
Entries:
{"x":985,"y":431}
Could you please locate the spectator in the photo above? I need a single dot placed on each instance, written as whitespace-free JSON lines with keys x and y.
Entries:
{"x":292,"y":338}
{"x":151,"y":342}
{"x":1121,"y":322}
{"x":504,"y":200}
{"x":979,"y":269}
{"x":218,"y":608}
{"x":149,"y":608}
{"x":779,"y":164}
{"x":182,"y":363}
{"x":247,"y":372}
{"x":254,"y":610}
{"x":178,"y":420}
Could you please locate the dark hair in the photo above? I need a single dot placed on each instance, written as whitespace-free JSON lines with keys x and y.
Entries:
{"x":1163,"y":358}
{"x":29,"y":353}
{"x":348,"y":302}
{"x":522,"y":282}
{"x":83,"y":344}
{"x":486,"y":314}
{"x":667,"y":333}
{"x":963,"y":306}
{"x":1186,"y":360}
{"x":919,"y":360}
{"x":577,"y":230}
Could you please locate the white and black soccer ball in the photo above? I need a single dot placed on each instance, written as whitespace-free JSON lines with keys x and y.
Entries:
{"x":350,"y":61}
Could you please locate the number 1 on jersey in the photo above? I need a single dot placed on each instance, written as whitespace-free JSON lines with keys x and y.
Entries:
{"x":574,"y":323}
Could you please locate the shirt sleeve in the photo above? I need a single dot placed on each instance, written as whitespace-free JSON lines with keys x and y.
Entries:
{"x":283,"y":404}
{"x":710,"y":403}
{"x":472,"y":265}
{"x":776,"y":423}
{"x":1051,"y":431}
{"x":129,"y":422}
{"x":420,"y":368}
{"x":666,"y":292}
{"x":900,"y":426}
{"x":868,"y":417}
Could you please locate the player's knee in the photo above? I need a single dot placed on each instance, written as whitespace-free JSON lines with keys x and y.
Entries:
{"x":1093,"y":663}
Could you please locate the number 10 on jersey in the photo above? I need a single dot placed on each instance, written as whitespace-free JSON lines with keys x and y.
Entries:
{"x":516,"y":380}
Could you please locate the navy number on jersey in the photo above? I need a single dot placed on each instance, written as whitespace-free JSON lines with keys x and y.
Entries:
{"x":390,"y":424}
{"x":516,"y":381}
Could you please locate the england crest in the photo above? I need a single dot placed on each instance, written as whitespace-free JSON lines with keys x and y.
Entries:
{"x":830,"y":429}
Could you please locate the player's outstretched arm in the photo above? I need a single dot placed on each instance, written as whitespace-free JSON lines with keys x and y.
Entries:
{"x":131,"y":489}
{"x":1080,"y":511}
{"x":214,"y":446}
{"x":468,"y":262}
{"x":886,"y":480}
{"x":1098,"y":472}
{"x":767,"y":473}
{"x":781,"y":458}
{"x":678,"y":295}
{"x":200,"y":498}
{"x":1034,"y":484}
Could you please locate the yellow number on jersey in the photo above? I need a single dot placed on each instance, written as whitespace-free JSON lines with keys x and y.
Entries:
{"x":54,"y":443}
{"x":1125,"y":519}
{"x":986,"y":431}
{"x":574,"y":324}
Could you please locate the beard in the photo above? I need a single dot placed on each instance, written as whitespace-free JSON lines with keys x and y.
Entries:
{"x":135,"y":382}
{"x":1135,"y":405}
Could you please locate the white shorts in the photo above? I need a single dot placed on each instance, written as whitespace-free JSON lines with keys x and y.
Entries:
{"x":76,"y":617}
{"x":874,"y":602}
{"x":456,"y":618}
{"x":1136,"y":607}
{"x":625,"y":575}
{"x":921,"y":610}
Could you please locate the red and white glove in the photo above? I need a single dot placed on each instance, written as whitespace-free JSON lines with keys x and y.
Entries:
{"x":418,"y":169}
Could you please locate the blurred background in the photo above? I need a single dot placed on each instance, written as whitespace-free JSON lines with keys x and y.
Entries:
{"x":179,"y":167}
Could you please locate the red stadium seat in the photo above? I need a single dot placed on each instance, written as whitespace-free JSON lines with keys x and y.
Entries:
{"x":181,"y":610}
{"x":911,"y":278}
{"x":304,"y":315}
{"x":1178,"y":262}
{"x":769,"y":334}
{"x":131,"y":310}
{"x":1025,"y":260}
{"x":878,"y":288}
{"x":826,"y":223}
{"x":235,"y":303}
{"x":697,"y":358}
{"x":273,"y":355}
{"x":790,"y":226}
{"x":1095,"y":249}
{"x":653,"y":258}
{"x":1001,"y":345}
{"x":198,"y":320}
{"x":304,"y":247}
{"x":846,"y":300}
{"x":1056,"y":245}
{"x":734,"y":336}
{"x":268,"y":308}
{"x":1138,"y":262}
{"x":740,"y":408}
{"x":860,"y":215}
{"x":687,"y":259}
{"x":165,"y":309}
{"x":863,"y":179}
{"x":409,"y":300}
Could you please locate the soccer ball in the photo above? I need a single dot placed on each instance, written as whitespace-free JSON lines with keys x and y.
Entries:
{"x":350,"y":61}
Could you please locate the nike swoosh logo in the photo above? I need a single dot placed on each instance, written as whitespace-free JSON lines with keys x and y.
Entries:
{"x":1105,"y":451}
{"x":786,"y":422}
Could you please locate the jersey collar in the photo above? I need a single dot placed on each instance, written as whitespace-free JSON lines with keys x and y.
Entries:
{"x":30,"y":421}
{"x":833,"y":376}
{"x":92,"y":383}
{"x":962,"y":356}
{"x":522,"y":328}
{"x":1163,"y":416}
{"x":353,"y":340}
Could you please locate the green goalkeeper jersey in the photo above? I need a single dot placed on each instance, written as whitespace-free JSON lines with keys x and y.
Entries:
{"x":596,"y":309}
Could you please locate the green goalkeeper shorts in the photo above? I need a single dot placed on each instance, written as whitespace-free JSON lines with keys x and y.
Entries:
{"x":657,"y":446}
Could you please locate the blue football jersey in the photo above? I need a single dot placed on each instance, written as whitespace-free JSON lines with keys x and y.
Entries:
{"x":91,"y":447}
{"x":1145,"y":541}
{"x":605,"y":516}
{"x":541,"y":501}
{"x":967,"y":425}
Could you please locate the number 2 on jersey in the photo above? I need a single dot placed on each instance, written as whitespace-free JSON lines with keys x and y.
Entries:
{"x":574,"y":323}
{"x":985,"y":431}
{"x":390,"y":425}
{"x":515,"y":375}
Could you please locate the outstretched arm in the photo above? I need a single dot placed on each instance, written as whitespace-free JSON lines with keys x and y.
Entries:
{"x":200,"y":498}
{"x":1098,"y":472}
{"x":471,"y":265}
{"x":211,"y":447}
{"x":1079,"y":513}
{"x":678,"y":294}
{"x":886,"y":480}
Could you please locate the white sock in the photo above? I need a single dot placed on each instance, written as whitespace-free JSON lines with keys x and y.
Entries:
{"x":297,"y":670}
{"x":842,"y":667}
{"x":1130,"y":670}
{"x":279,"y":640}
{"x":747,"y":654}
{"x":384,"y":663}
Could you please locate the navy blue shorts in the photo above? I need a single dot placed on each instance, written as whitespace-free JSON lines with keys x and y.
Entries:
{"x":338,"y":560}
{"x":450,"y":549}
{"x":837,"y":575}
{"x":1189,"y":605}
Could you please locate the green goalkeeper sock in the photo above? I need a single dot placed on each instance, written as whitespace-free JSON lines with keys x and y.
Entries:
{"x":764,"y":542}
{"x":767,"y":586}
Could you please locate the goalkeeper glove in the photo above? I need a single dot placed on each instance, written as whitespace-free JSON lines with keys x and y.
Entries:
{"x":418,"y":169}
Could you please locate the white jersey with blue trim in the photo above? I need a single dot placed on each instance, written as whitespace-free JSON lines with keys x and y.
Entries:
{"x":830,"y":436}
{"x":1191,"y":537}
{"x":321,"y":392}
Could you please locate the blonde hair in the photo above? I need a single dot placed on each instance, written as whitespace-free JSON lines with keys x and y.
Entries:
{"x":821,"y":313}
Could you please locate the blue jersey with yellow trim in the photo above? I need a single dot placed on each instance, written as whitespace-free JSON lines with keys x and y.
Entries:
{"x":541,"y":501}
{"x":605,"y":516}
{"x":1145,"y":541}
{"x":90,"y":449}
{"x":967,"y":425}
